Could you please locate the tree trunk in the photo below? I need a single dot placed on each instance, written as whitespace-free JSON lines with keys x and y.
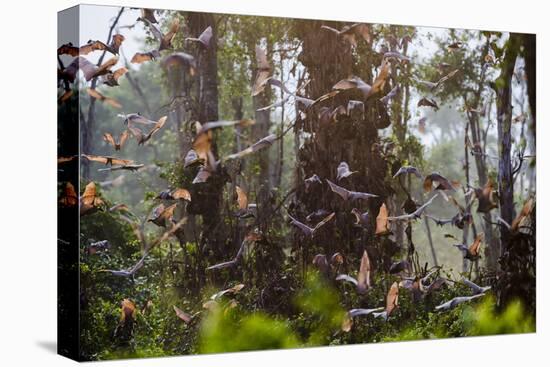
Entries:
{"x":503,"y":89}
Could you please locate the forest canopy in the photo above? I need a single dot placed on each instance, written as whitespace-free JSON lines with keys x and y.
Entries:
{"x":255,"y":183}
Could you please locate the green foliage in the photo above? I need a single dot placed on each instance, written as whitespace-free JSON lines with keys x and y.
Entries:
{"x":487,"y":320}
{"x":233,"y":331}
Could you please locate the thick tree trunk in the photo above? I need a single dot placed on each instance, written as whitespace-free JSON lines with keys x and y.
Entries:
{"x":324,"y":145}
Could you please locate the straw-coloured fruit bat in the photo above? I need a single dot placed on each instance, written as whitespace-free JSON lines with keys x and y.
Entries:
{"x":109,"y":139}
{"x":363,"y":281}
{"x":161,"y":214}
{"x":100,"y":97}
{"x":349,"y":195}
{"x":307,"y":230}
{"x":203,"y":39}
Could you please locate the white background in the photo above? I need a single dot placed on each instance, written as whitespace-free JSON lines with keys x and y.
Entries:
{"x":28,"y":182}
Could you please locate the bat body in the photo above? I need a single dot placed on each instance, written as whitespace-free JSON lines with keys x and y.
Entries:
{"x":111,"y":78}
{"x":343,"y":171}
{"x":165,"y":40}
{"x":361,"y":219}
{"x":109,"y":139}
{"x":471,"y":252}
{"x":312,"y":180}
{"x":176,"y":194}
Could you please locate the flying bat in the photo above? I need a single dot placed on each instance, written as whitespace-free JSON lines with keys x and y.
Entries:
{"x":442,"y":182}
{"x":456,"y":301}
{"x":109,"y":139}
{"x":391,"y":95}
{"x":434,"y":85}
{"x":349,"y":195}
{"x":125,"y":167}
{"x":349,"y":33}
{"x":180,"y":60}
{"x":263,"y":71}
{"x":112,"y":77}
{"x":127,"y":273}
{"x":90,"y":201}
{"x":165,"y":40}
{"x":391,"y":302}
{"x":259,"y":145}
{"x":417,"y":214}
{"x":233,"y":290}
{"x":363,"y":281}
{"x":347,"y":323}
{"x":408,"y":170}
{"x":346,"y":84}
{"x":204,"y":39}
{"x":312,"y":180}
{"x":141,"y":137}
{"x":185,"y":317}
{"x":382,"y":223}
{"x":251,"y":237}
{"x":486,"y":197}
{"x":69,"y":196}
{"x":141,"y":57}
{"x":149,"y":15}
{"x":427,"y":102}
{"x":476,"y":289}
{"x":100,"y":97}
{"x":107,"y":160}
{"x":161,"y":214}
{"x":343,"y":171}
{"x":136,"y":118}
{"x":307,"y":230}
{"x":246,"y":210}
{"x":176,"y":194}
{"x":471,"y":252}
{"x":361,"y":219}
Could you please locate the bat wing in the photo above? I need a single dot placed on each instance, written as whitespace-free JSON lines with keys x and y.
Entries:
{"x":119,"y":72}
{"x":181,"y":194}
{"x":68,"y":49}
{"x":242,"y":198}
{"x":87,"y":68}
{"x":392,"y":298}
{"x":364,"y":275}
{"x":96,"y":158}
{"x":185,"y":317}
{"x":347,"y":278}
{"x":382,"y":220}
{"x":174,"y":27}
{"x":327,"y":219}
{"x":380,"y":80}
{"x":339,"y":190}
{"x":106,"y":66}
{"x":141,"y":57}
{"x":89,"y":194}
{"x":206,"y":36}
{"x":123,"y":137}
{"x":109,"y":139}
{"x":306,"y":229}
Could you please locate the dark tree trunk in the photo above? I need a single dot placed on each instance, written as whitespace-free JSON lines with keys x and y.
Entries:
{"x":503,"y":89}
{"x":328,"y":60}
